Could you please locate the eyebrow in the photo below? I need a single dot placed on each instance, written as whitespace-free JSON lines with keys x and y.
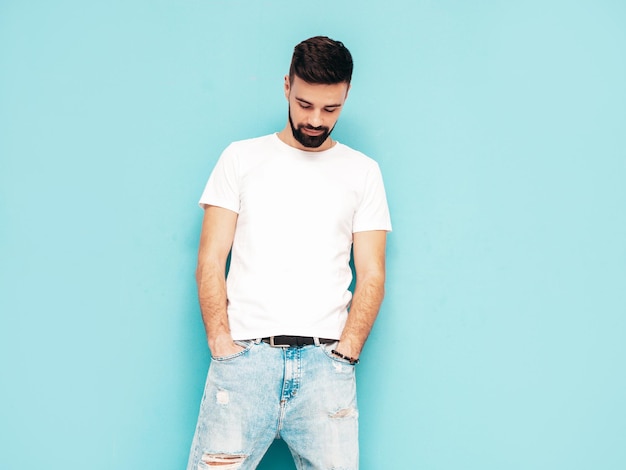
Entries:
{"x":311,"y":104}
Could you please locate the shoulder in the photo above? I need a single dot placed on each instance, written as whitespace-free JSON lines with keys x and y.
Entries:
{"x":251,"y":145}
{"x":355,"y":157}
{"x":245,"y":155}
{"x":248,"y":150}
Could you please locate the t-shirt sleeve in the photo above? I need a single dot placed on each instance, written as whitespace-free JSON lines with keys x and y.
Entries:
{"x":222,"y":188}
{"x":373,"y":211}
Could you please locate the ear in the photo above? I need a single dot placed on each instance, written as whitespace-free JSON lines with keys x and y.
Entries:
{"x":287,"y":87}
{"x":348,"y":91}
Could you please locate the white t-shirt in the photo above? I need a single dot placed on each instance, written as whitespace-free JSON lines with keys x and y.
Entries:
{"x":289,"y":270}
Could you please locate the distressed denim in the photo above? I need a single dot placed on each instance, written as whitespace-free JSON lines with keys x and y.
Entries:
{"x":305,"y":396}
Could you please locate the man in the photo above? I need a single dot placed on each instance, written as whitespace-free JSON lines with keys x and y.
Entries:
{"x":289,"y":207}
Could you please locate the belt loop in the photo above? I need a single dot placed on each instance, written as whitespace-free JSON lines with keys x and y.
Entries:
{"x":257,"y":340}
{"x":316,"y":341}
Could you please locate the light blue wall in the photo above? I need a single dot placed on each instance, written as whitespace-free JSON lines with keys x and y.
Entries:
{"x":500,"y":129}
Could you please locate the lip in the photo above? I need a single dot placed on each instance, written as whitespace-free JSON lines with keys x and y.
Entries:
{"x":312,"y":132}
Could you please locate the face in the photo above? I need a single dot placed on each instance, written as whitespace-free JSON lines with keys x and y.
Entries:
{"x":313,"y":111}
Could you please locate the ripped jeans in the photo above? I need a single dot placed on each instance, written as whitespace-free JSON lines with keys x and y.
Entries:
{"x":303,"y":395}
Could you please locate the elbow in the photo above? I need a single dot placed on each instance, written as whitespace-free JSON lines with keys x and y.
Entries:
{"x":373,"y":282}
{"x":202,"y":271}
{"x":198,"y":273}
{"x":375,"y":277}
{"x":209,"y":267}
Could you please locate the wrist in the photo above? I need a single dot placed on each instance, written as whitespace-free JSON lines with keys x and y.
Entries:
{"x":220,"y":341}
{"x":350,"y":347}
{"x":350,"y":359}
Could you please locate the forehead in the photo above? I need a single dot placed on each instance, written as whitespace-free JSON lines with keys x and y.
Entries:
{"x":317,"y":93}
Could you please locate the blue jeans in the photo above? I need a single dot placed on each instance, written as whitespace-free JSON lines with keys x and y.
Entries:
{"x":305,"y":395}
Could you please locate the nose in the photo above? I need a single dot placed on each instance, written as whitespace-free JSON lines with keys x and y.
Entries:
{"x":315,"y":118}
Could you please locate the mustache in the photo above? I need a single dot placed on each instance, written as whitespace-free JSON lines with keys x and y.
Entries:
{"x":311,"y":128}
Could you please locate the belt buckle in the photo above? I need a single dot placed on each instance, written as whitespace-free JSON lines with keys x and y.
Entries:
{"x":274,"y":345}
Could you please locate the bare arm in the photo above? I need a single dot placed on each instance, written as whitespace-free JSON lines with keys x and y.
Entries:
{"x":369,"y":262}
{"x":216,"y":239}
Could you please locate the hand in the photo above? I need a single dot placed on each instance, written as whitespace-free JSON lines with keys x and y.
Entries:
{"x":349,"y":347}
{"x":344,"y":351}
{"x":224,"y":346}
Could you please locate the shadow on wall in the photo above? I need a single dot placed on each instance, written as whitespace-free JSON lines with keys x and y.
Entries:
{"x":277,"y":457}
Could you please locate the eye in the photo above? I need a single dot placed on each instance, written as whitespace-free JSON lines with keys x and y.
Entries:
{"x":330,"y":110}
{"x":304,"y":105}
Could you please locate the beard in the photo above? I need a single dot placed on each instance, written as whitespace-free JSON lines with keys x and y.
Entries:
{"x":309,"y":141}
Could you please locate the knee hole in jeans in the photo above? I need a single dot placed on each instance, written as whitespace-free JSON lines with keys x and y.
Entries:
{"x":222,"y":461}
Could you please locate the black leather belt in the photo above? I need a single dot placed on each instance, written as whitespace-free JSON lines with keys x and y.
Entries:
{"x":294,"y":341}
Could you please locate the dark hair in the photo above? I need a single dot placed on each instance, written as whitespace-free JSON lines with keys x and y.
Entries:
{"x":321,"y":60}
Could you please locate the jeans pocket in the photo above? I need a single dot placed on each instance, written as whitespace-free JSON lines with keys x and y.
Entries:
{"x":245,"y":344}
{"x":328,"y":348}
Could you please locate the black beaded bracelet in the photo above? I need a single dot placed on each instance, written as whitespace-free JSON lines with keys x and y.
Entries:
{"x":351,"y":360}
